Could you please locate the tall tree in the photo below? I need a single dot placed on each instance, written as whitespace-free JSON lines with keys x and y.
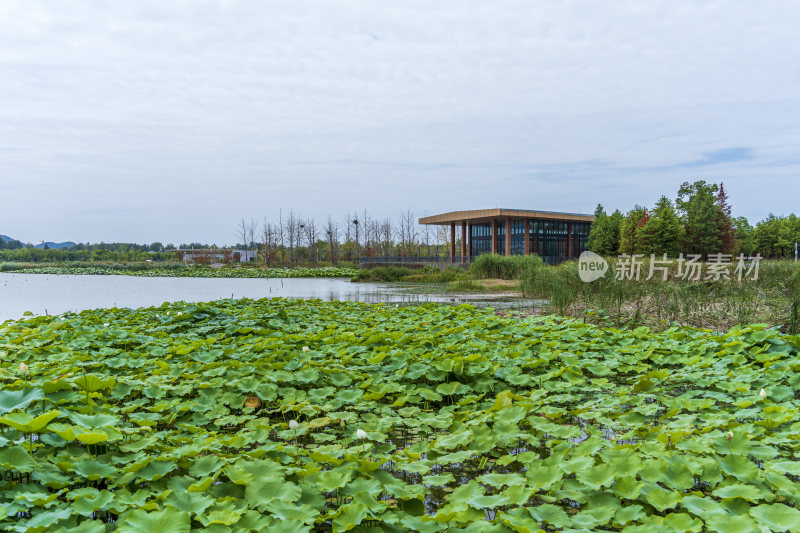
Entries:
{"x":663,"y":231}
{"x":727,"y":232}
{"x":604,"y":234}
{"x":701,"y":216}
{"x":630,"y":228}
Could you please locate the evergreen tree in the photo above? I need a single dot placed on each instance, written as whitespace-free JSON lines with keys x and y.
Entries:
{"x":630,"y":227}
{"x":663,"y":232}
{"x":604,"y":234}
{"x":701,"y":216}
{"x":766,"y":236}
{"x":727,"y":233}
{"x":745,"y":242}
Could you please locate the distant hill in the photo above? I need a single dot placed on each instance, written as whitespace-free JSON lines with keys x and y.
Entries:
{"x":51,"y":245}
{"x":55,"y":245}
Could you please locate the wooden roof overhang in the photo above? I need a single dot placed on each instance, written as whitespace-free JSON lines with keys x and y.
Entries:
{"x":477,"y":216}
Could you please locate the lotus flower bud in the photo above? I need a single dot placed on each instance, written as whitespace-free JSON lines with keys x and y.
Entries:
{"x":763,"y":394}
{"x":293,"y":424}
{"x":361,"y":434}
{"x":305,"y":348}
{"x":729,"y":435}
{"x":23,"y":368}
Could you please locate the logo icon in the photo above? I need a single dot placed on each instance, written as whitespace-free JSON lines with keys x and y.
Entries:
{"x":591,"y":267}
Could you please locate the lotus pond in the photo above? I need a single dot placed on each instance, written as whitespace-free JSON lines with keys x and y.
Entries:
{"x":287,"y":415}
{"x":181,"y":271}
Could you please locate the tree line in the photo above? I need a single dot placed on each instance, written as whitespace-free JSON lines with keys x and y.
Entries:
{"x":292,"y":238}
{"x":699,"y":221}
{"x":288,"y":239}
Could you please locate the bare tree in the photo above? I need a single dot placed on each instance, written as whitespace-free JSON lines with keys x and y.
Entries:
{"x":386,"y":236}
{"x":252,"y":228}
{"x":292,"y":231}
{"x":310,"y":230}
{"x":332,"y":231}
{"x":281,"y":233}
{"x":241,"y":233}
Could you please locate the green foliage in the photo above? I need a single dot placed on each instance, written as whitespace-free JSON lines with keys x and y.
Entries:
{"x":630,"y":230}
{"x":494,"y":266}
{"x":604,"y":233}
{"x":471,"y":420}
{"x":702,"y":217}
{"x":181,"y":271}
{"x":663,"y":232}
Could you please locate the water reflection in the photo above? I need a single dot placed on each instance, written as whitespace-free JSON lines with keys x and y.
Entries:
{"x":42,"y":293}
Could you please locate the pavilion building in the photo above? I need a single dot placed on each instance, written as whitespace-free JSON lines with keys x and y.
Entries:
{"x":553,"y":236}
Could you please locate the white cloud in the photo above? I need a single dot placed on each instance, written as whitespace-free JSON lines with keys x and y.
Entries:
{"x":115,"y":113}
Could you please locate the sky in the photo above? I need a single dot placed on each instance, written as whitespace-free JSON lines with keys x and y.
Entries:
{"x":171,"y":121}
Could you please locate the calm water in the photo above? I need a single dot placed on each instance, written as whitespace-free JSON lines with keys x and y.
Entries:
{"x":41,"y":293}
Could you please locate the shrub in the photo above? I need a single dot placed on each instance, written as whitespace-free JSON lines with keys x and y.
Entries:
{"x":503,"y":266}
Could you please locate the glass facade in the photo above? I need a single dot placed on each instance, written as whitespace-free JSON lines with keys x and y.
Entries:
{"x":517,"y":237}
{"x":481,"y":239}
{"x":547,"y":238}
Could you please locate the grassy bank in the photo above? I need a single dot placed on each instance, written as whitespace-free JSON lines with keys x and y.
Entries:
{"x":285,"y":415}
{"x":179,"y":270}
{"x":774,"y":298}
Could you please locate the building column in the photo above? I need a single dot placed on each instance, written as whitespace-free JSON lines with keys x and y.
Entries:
{"x":508,"y":236}
{"x":469,"y":244}
{"x":494,"y":235}
{"x":463,"y":241}
{"x":527,"y":246}
{"x":569,"y":240}
{"x":452,"y":242}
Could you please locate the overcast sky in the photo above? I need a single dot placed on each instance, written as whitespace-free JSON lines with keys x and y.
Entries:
{"x":170,"y":121}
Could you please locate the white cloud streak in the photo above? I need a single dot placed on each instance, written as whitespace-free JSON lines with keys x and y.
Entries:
{"x":114,"y":116}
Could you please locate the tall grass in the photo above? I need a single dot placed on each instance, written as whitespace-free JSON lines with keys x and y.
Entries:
{"x":773,"y":298}
{"x":493,"y":266}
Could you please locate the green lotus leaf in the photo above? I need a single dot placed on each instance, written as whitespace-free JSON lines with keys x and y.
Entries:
{"x":65,"y":431}
{"x":225,"y":517}
{"x":660,"y":498}
{"x":785,"y":467}
{"x":438,"y":480}
{"x":724,"y":523}
{"x":92,"y":437}
{"x":17,"y":458}
{"x":553,"y":515}
{"x":93,"y":383}
{"x":27,"y":423}
{"x":777,"y":517}
{"x":519,"y":522}
{"x":96,"y":420}
{"x":591,"y":518}
{"x":544,"y":476}
{"x":349,"y":516}
{"x":700,"y":506}
{"x":739,"y":490}
{"x":192,"y":503}
{"x":205,"y":466}
{"x":87,"y":526}
{"x":94,"y":470}
{"x":596,"y":476}
{"x":286,"y":510}
{"x":155,"y":470}
{"x":88,"y":503}
{"x":11,"y":400}
{"x":140,"y":521}
{"x":740,"y":467}
{"x":44,"y":520}
{"x":628,"y":514}
{"x":330,"y":480}
{"x":499,"y":480}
